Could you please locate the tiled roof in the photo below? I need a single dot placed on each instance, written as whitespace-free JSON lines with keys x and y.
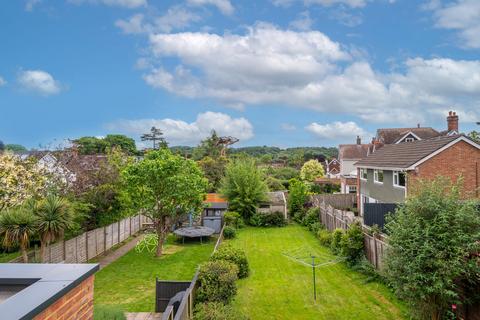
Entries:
{"x":214,"y":197}
{"x":392,"y":135}
{"x":352,"y":151}
{"x":403,"y":155}
{"x":276,"y":197}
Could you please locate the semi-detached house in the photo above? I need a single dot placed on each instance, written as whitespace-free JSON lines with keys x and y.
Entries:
{"x":390,"y":173}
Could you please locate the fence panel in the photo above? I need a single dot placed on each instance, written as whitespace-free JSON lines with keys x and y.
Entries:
{"x":56,"y":252}
{"x":91,"y":245}
{"x":71,"y":251}
{"x":374,"y":213}
{"x":115,"y":234}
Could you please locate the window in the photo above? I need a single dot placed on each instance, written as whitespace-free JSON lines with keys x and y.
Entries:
{"x":378,"y":176}
{"x":399,"y":179}
{"x":363,"y":174}
{"x":409,"y":139}
{"x":352,"y":189}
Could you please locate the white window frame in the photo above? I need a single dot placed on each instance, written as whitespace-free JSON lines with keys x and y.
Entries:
{"x":375,"y":176}
{"x":396,"y":179}
{"x":350,"y":189}
{"x":409,"y":139}
{"x":362,"y":171}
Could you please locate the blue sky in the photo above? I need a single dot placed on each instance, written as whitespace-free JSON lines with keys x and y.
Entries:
{"x":274,"y":72}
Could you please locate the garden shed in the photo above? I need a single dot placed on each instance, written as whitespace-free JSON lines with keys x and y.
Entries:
{"x":214,"y":209}
{"x":276,"y":202}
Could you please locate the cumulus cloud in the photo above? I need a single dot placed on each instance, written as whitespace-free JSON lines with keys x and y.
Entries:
{"x":2,"y":82}
{"x":225,"y":6}
{"x":462,"y":16}
{"x":268,"y":65}
{"x":114,"y":3}
{"x":176,"y":17}
{"x":303,"y":22}
{"x":39,"y":81}
{"x":337,"y":130}
{"x":181,"y":132}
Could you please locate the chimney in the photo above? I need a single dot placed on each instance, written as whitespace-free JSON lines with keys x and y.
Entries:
{"x":359,"y":141}
{"x":452,"y":121}
{"x":418,"y":125}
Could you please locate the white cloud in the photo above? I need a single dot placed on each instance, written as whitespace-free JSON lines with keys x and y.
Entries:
{"x":303,"y":22}
{"x":337,"y":130}
{"x":39,"y":81}
{"x":225,"y":6}
{"x":114,"y":3}
{"x":176,"y":17}
{"x":30,"y":4}
{"x":462,"y":16}
{"x":326,"y":3}
{"x":181,"y":132}
{"x":2,"y":82}
{"x":267,"y":65}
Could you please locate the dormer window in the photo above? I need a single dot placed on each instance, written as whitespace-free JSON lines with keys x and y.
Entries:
{"x":409,"y":139}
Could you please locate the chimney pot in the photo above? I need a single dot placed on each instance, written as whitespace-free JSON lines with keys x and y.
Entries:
{"x":359,"y":141}
{"x":452,"y":121}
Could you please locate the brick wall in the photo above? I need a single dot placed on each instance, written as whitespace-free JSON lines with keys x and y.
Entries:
{"x":460,"y":159}
{"x":76,"y":304}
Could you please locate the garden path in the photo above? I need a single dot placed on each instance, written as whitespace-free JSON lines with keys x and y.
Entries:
{"x":119,"y":252}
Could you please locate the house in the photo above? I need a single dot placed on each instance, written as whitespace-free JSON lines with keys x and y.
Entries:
{"x":332,"y":168}
{"x":348,"y":155}
{"x":390,"y":173}
{"x":276,"y":202}
{"x":214,"y":209}
{"x":46,"y":291}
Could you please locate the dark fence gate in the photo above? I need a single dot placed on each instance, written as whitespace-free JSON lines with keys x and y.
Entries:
{"x":375,"y":213}
{"x":165,"y":290}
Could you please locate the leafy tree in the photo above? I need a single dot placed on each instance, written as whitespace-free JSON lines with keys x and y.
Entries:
{"x":274,"y":184}
{"x":124,"y":143}
{"x":54,"y":215}
{"x":165,"y":187}
{"x":156,"y":136}
{"x":352,"y":244}
{"x":297,"y":158}
{"x":297,"y":197}
{"x":266,"y":159}
{"x":17,"y":226}
{"x":431,"y":238}
{"x":15,"y":148}
{"x":312,"y":170}
{"x":19,"y":180}
{"x":209,"y":147}
{"x":244,"y":187}
{"x":475,"y":136}
{"x":214,"y":170}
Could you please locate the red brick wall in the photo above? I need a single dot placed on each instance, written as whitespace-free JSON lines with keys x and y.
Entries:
{"x":76,"y":304}
{"x":460,"y":159}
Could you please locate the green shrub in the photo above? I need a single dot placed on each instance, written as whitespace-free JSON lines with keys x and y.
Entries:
{"x":314,"y":227}
{"x":216,"y":311}
{"x":368,"y":270}
{"x":352,"y":243}
{"x":299,"y":216}
{"x":311,"y":216}
{"x":325,"y":237}
{"x":234,"y":219}
{"x":233,"y":255}
{"x":336,"y":240}
{"x":217,"y":281}
{"x":268,"y":219}
{"x":297,"y":196}
{"x":104,"y":312}
{"x":229,"y":232}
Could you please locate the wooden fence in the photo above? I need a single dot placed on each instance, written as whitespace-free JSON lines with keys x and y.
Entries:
{"x":332,"y":219}
{"x":185,"y":310}
{"x":88,"y":245}
{"x":339,"y":201}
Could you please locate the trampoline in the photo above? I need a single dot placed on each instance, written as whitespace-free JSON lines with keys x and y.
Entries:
{"x":194,"y":232}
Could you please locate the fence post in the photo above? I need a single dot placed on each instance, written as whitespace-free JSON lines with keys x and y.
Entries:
{"x":375,"y":251}
{"x":104,"y":239}
{"x":118,"y":233}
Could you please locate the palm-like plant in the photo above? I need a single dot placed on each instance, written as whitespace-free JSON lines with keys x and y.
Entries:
{"x":54,"y":215}
{"x":17,"y":226}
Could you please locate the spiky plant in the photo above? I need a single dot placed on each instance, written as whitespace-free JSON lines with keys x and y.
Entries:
{"x":17,"y":226}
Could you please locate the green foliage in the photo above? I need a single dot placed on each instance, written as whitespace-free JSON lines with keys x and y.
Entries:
{"x":209,"y":147}
{"x":367,"y":269}
{"x":325,"y":237}
{"x":274,"y":184}
{"x":314,"y":227}
{"x":104,"y":312}
{"x":233,"y":219}
{"x":229,"y":232}
{"x":214,"y":170}
{"x":149,"y":243}
{"x":17,"y":226}
{"x":312,"y":216}
{"x":352,"y":244}
{"x":122,"y":142}
{"x":216,"y":311}
{"x":324,"y":188}
{"x":432,"y":238}
{"x":90,"y":145}
{"x":94,"y":145}
{"x":335,"y":242}
{"x":268,"y":219}
{"x":475,"y":136}
{"x":165,"y":187}
{"x":244,"y":187}
{"x":15,"y":148}
{"x":217,"y":281}
{"x":235,"y":256}
{"x":311,"y":170}
{"x":297,"y":197}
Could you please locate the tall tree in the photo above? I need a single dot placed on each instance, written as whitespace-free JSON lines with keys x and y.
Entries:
{"x":209,"y":147}
{"x":156,"y":136}
{"x":90,"y":145}
{"x":432,"y":238}
{"x":17,"y":227}
{"x":165,"y":187}
{"x":311,"y":170}
{"x":214,"y":170}
{"x":244,"y":187}
{"x":15,"y":148}
{"x":124,"y":143}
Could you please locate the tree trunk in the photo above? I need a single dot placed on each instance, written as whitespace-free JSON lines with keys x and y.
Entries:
{"x":42,"y":251}
{"x":161,"y":228}
{"x":24,"y":255}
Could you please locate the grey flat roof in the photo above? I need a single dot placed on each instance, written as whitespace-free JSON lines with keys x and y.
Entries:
{"x":45,"y":284}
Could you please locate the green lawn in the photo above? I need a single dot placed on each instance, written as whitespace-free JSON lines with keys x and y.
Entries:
{"x":6,"y":257}
{"x":280,"y":287}
{"x":129,"y":282}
